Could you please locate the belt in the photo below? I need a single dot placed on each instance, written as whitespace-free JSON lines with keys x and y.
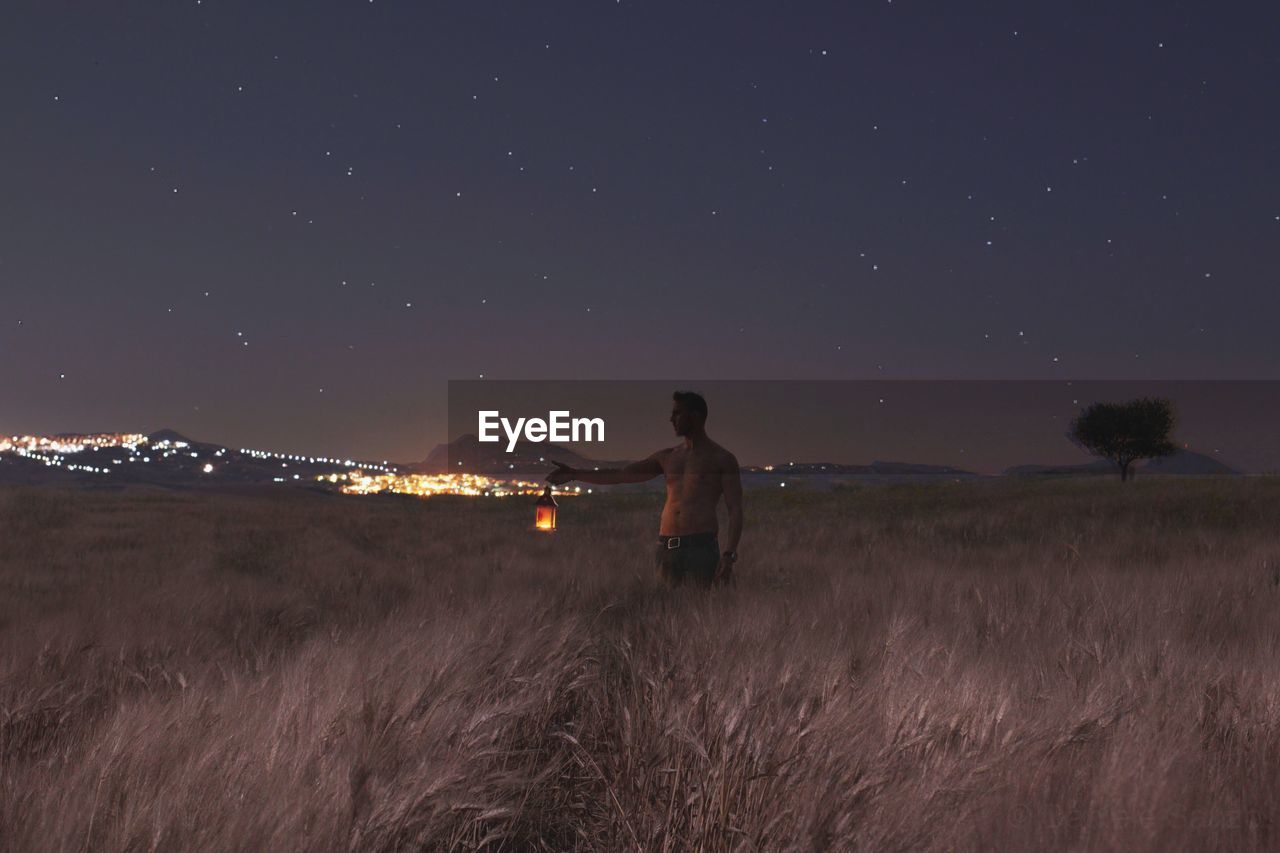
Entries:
{"x":687,"y":539}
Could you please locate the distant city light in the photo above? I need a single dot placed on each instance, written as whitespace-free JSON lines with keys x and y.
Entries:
{"x":357,"y":479}
{"x":53,"y":450}
{"x":426,"y":485}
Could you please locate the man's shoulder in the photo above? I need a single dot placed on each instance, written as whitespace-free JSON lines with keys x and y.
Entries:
{"x":723,"y":453}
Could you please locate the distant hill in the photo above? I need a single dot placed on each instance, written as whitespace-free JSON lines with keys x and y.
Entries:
{"x":1187,"y":463}
{"x":169,"y":435}
{"x":170,"y":458}
{"x":1183,"y":463}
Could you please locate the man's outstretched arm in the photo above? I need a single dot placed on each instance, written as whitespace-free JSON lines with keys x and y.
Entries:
{"x":636,"y":472}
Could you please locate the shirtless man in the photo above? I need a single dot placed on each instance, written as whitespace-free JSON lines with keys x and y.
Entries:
{"x":698,"y":472}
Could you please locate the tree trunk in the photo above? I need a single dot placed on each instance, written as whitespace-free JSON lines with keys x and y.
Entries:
{"x":1124,"y":470}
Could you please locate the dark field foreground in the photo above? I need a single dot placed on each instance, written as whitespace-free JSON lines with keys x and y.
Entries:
{"x":1036,"y":666}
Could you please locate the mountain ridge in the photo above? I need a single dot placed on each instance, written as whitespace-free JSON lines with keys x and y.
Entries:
{"x":159,"y":461}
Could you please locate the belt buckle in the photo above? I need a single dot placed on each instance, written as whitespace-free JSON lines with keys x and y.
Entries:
{"x":673,"y":542}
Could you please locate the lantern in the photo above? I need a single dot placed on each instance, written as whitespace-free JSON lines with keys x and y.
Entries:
{"x":545,"y":514}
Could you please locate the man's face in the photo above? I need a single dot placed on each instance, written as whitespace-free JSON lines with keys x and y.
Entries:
{"x":682,"y":420}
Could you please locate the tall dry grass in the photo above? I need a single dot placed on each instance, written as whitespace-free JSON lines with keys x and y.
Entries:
{"x":1035,"y":666}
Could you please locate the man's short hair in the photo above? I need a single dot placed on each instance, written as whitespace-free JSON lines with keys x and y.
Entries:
{"x":692,"y":401}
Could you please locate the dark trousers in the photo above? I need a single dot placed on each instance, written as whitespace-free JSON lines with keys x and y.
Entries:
{"x":694,"y":562}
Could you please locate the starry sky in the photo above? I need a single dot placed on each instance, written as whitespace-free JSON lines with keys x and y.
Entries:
{"x":288,"y":225}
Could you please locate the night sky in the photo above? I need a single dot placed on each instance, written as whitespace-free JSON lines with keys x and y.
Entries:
{"x":287,"y":225}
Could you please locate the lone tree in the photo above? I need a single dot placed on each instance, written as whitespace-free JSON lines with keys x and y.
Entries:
{"x":1125,"y":432}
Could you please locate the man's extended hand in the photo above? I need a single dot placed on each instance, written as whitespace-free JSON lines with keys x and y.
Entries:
{"x":562,"y":474}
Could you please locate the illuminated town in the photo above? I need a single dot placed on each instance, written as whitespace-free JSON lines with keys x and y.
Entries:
{"x":426,"y":485}
{"x":164,"y":457}
{"x":52,"y":450}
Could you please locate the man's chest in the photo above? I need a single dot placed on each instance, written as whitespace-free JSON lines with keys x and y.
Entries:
{"x":684,"y":467}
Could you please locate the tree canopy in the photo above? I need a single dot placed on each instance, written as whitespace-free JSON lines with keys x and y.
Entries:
{"x":1125,"y":432}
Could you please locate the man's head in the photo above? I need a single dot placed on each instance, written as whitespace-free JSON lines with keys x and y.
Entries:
{"x":688,"y":412}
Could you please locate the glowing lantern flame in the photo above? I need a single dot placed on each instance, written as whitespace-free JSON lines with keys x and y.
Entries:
{"x":545,"y":514}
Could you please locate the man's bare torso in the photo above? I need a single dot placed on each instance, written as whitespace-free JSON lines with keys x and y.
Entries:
{"x":694,"y":485}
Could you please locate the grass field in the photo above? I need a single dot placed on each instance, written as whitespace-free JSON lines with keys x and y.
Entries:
{"x":1075,"y":664}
